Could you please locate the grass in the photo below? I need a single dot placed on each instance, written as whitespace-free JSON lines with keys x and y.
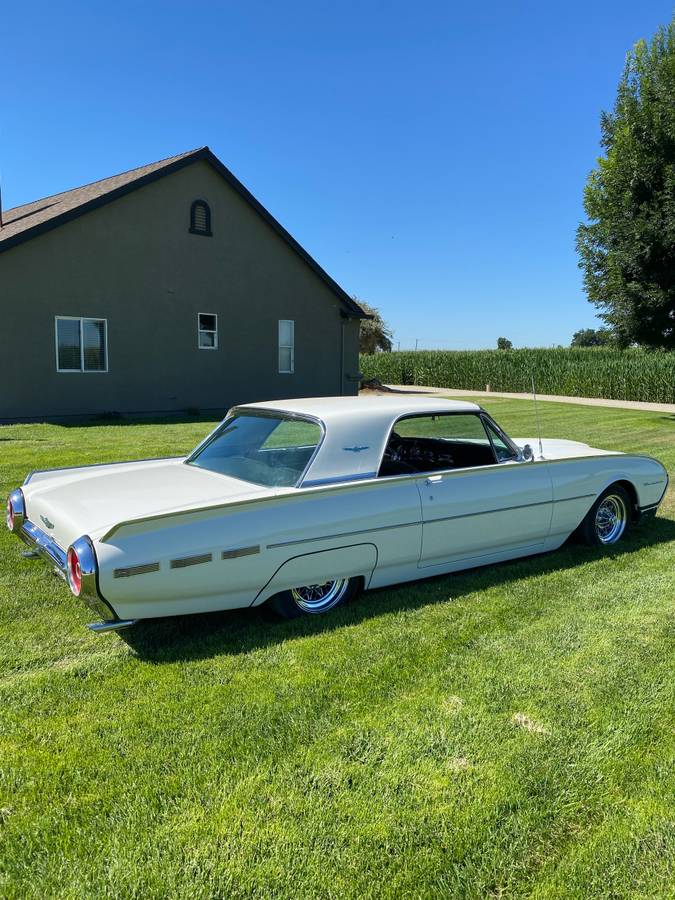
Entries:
{"x":503,"y":732}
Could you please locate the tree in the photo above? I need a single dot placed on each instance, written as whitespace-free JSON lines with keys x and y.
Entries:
{"x":375,"y":334}
{"x":504,"y":344}
{"x":627,"y":247}
{"x":592,"y":337}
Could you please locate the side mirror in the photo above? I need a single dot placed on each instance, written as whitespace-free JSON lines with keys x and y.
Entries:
{"x":526,"y":453}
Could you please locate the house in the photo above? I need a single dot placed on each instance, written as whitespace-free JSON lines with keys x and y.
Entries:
{"x":162,"y":289}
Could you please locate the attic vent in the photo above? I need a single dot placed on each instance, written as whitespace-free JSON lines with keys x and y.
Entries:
{"x":200,"y":218}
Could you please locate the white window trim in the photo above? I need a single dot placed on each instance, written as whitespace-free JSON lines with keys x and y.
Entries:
{"x":201,"y":331}
{"x":81,"y":370}
{"x":290,"y":346}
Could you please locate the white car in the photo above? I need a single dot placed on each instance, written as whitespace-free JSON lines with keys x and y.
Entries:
{"x":304,"y":502}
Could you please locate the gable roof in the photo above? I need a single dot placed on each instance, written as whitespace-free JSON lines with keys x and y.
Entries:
{"x":25,"y":222}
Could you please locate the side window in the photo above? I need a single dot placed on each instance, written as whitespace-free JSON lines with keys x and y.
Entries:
{"x":81,"y":344}
{"x":207,"y":331}
{"x":286,"y":346}
{"x":293,"y":433}
{"x":437,"y":442}
{"x":502,"y":450}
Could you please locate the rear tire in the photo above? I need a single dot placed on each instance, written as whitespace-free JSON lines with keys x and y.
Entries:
{"x":314,"y":599}
{"x":609,"y":519}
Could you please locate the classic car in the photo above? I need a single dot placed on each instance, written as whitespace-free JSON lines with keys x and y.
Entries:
{"x":302,"y":503}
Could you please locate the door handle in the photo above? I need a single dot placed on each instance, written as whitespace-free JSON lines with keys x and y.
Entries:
{"x":433,"y":479}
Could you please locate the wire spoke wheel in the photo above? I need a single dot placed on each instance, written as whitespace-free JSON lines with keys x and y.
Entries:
{"x":317,"y":598}
{"x":610,"y":519}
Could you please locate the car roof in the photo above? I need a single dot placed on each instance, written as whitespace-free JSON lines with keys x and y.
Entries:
{"x":390,"y":406}
{"x":356,"y":428}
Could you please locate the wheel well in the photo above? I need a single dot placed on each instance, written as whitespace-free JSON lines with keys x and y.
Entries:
{"x":629,"y":487}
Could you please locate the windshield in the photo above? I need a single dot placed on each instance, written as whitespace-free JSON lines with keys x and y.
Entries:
{"x":270,"y":450}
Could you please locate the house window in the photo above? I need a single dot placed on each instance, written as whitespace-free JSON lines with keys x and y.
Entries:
{"x":207,"y":331}
{"x":286,"y":346}
{"x":81,"y":344}
{"x":200,"y":218}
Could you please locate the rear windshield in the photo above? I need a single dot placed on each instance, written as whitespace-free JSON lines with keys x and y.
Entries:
{"x":268,"y":450}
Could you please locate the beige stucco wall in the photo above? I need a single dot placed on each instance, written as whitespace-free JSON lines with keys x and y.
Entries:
{"x":134,"y":263}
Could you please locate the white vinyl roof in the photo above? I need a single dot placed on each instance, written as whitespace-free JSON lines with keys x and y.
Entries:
{"x":356,"y":429}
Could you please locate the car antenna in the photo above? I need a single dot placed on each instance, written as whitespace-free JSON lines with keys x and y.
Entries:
{"x":536,"y":414}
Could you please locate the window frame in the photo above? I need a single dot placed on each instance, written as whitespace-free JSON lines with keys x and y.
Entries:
{"x":201,"y":331}
{"x":81,"y":320}
{"x":206,"y":232}
{"x":480,"y":414}
{"x":290,"y":346}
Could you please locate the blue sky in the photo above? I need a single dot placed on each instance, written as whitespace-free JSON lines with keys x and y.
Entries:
{"x":431,"y":156}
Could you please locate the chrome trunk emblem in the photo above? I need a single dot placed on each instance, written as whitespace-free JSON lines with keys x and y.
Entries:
{"x":47,"y":522}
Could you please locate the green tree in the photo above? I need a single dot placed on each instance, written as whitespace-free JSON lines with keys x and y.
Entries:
{"x":627,"y":247}
{"x":592,"y":337}
{"x":375,"y":334}
{"x":504,"y":344}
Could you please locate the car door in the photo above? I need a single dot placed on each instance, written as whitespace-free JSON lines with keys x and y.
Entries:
{"x":471,"y":511}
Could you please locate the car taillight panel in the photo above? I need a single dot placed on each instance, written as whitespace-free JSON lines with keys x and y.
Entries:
{"x":74,"y":571}
{"x":16,"y":511}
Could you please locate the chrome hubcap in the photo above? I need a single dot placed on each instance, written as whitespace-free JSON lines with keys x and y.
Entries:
{"x":317,"y":598}
{"x":610,"y":519}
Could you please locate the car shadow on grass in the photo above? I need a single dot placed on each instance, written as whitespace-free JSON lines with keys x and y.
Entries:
{"x":195,"y":637}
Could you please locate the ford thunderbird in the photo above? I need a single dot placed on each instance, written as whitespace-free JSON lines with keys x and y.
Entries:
{"x":302,"y":503}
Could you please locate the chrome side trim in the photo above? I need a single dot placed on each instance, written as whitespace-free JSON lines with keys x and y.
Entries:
{"x":241,"y":551}
{"x":342,"y":534}
{"x":329,"y":537}
{"x":499,"y":509}
{"x":196,"y":560}
{"x":339,"y":479}
{"x":129,"y":571}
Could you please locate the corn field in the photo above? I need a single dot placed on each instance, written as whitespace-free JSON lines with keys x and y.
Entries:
{"x":576,"y":372}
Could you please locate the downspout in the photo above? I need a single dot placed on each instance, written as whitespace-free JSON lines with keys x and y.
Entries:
{"x":342,"y":353}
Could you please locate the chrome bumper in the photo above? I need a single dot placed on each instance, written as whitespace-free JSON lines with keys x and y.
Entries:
{"x":46,"y":547}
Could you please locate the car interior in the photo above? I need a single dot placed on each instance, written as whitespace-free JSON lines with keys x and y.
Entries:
{"x":436,"y":443}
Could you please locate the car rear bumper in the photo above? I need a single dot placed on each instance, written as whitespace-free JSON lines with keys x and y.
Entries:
{"x":44,"y":546}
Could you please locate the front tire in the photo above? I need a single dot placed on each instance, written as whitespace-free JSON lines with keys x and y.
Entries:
{"x":314,"y":599}
{"x":608,"y":520}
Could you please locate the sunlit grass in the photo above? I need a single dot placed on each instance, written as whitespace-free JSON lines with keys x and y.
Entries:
{"x":501,"y":732}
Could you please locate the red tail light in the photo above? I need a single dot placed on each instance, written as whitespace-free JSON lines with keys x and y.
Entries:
{"x":74,"y":572}
{"x":10,"y":515}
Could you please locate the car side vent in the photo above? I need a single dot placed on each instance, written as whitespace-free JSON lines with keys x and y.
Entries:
{"x":191,"y":560}
{"x":128,"y":571}
{"x":240,"y":551}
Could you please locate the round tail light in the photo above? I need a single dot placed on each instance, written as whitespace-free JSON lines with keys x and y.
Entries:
{"x":16,"y":510}
{"x":74,"y":571}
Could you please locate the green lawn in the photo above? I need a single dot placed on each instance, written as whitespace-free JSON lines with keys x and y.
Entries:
{"x":503,"y":732}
